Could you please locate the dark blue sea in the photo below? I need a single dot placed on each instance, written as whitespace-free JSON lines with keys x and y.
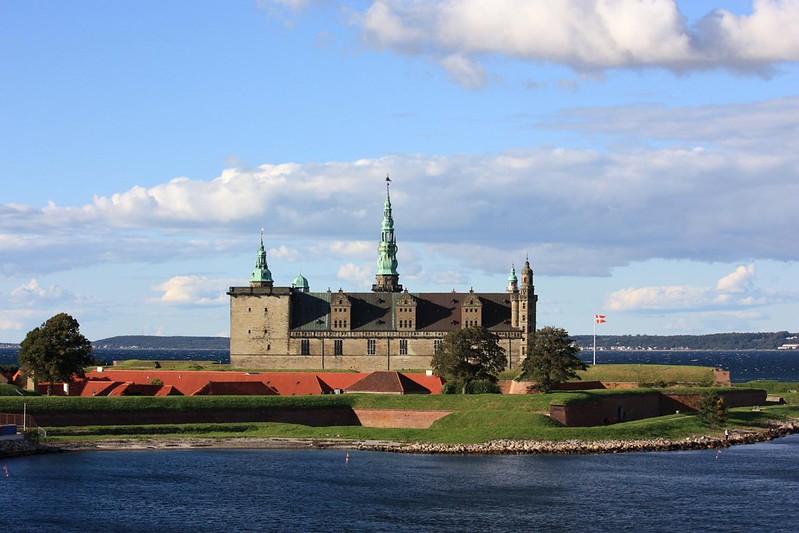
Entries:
{"x":780,"y":365}
{"x":8,"y":356}
{"x":743,"y":488}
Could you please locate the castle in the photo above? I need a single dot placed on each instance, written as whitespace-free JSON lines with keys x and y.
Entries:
{"x":386,"y":329}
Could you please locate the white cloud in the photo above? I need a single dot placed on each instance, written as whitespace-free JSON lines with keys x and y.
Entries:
{"x":737,"y":282}
{"x":359,"y":276}
{"x":32,"y":291}
{"x":733,"y":290}
{"x":17,"y":319}
{"x":192,"y":290}
{"x":726,"y":197}
{"x":283,"y":253}
{"x":585,"y":34}
{"x":464,"y":70}
{"x":348,"y":249}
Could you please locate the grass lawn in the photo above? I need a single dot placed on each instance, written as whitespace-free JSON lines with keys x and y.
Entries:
{"x":475,"y":419}
{"x":649,"y":374}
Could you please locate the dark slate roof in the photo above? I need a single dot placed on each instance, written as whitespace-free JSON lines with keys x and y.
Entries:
{"x":371,"y":311}
{"x":388,"y":383}
{"x":310,"y":311}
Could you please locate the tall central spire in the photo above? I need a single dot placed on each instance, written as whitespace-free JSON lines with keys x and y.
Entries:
{"x":261,"y":276}
{"x":387,"y":278}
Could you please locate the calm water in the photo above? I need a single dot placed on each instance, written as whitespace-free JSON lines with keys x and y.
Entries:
{"x":745,"y":488}
{"x":780,"y":365}
{"x":8,"y":356}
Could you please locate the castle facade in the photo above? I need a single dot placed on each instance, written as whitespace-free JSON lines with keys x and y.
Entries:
{"x":389,"y":328}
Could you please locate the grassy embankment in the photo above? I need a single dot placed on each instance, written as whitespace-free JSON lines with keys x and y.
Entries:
{"x":474,"y":419}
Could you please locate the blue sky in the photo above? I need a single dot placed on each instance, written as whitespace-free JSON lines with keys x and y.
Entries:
{"x":642,"y":154}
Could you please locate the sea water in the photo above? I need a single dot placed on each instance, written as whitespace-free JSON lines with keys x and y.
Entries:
{"x":743,"y":488}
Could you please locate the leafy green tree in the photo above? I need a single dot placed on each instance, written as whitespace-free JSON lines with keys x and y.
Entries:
{"x":551,"y":359}
{"x":470,"y":354}
{"x":55,"y":351}
{"x":712,"y":410}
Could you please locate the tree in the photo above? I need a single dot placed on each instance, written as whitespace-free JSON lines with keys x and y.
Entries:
{"x":470,"y":354}
{"x":551,"y":359}
{"x":712,"y":410}
{"x":55,"y":351}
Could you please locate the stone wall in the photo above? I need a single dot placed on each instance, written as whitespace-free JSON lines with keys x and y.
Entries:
{"x":613,"y":409}
{"x":259,"y":323}
{"x":331,"y":416}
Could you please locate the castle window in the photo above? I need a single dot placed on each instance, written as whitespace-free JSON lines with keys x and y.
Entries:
{"x":437,"y":346}
{"x":371,"y":347}
{"x":338,"y":347}
{"x":403,"y":346}
{"x":305,"y":347}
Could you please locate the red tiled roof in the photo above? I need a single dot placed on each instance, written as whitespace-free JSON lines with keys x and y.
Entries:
{"x":283,"y":383}
{"x":388,"y":383}
{"x":432,"y":383}
{"x":341,"y":380}
{"x":234,"y":388}
{"x":99,"y":388}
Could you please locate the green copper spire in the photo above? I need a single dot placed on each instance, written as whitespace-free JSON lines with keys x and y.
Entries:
{"x":513,"y":281}
{"x":387,"y":277}
{"x":260,"y":275}
{"x":387,"y":260}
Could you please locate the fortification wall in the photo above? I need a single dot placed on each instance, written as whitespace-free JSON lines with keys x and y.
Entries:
{"x":393,"y":418}
{"x":332,"y":416}
{"x":612,"y":409}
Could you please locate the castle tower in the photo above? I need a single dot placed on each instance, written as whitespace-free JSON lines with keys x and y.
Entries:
{"x":387,"y":278}
{"x":261,"y":277}
{"x":513,"y":281}
{"x":513,"y":291}
{"x":527,"y":300}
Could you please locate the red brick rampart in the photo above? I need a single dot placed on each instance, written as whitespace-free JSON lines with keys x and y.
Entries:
{"x":624,"y":407}
{"x":332,"y":416}
{"x":394,"y":418}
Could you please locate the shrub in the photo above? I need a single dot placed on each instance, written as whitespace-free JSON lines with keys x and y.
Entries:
{"x":712,"y":409}
{"x":453,"y":386}
{"x":482,"y":386}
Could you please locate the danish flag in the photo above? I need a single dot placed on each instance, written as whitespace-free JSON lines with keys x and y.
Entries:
{"x":599,"y":319}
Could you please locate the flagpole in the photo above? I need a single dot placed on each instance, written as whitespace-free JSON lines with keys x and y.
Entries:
{"x":594,"y":340}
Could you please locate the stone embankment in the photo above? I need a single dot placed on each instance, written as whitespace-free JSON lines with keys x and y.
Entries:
{"x":17,"y":448}
{"x":575,"y":447}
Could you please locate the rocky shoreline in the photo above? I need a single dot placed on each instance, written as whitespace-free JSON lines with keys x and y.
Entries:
{"x":575,"y":447}
{"x":496,"y":447}
{"x":22,"y":447}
